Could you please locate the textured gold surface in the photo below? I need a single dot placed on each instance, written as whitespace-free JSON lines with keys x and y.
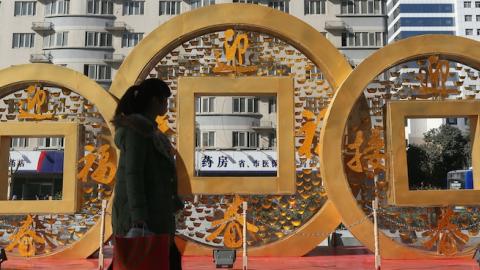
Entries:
{"x":152,"y":49}
{"x":23,"y":75}
{"x":454,"y":48}
{"x":282,"y":88}
{"x":220,"y":17}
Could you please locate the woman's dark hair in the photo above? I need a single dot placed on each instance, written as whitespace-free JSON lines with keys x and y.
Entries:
{"x":137,"y":98}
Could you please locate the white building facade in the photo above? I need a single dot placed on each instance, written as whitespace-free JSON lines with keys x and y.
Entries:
{"x":94,"y":36}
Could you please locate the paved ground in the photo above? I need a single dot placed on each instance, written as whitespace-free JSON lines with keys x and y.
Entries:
{"x":321,"y":258}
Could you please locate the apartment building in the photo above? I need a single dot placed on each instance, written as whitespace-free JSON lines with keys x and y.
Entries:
{"x":94,"y":36}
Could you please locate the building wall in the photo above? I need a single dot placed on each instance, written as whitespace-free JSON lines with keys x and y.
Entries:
{"x":336,"y":23}
{"x":75,"y":54}
{"x":224,"y":121}
{"x":416,"y":17}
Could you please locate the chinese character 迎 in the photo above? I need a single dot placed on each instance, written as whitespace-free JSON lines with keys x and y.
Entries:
{"x":36,"y":100}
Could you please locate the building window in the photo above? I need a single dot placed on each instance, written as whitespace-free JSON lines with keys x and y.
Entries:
{"x":62,"y":39}
{"x":208,"y":104}
{"x":242,"y":105}
{"x":452,"y":121}
{"x":169,"y":7}
{"x":281,"y":5}
{"x":362,"y":39}
{"x":133,"y":8}
{"x":272,"y":105}
{"x":314,"y":6}
{"x":18,"y":142}
{"x":244,"y":139}
{"x":23,"y":40}
{"x":468,"y":18}
{"x":98,"y":39}
{"x":204,"y":104}
{"x":51,"y":142}
{"x":208,"y":139}
{"x":24,"y":8}
{"x":246,"y":1}
{"x":477,"y":4}
{"x":477,"y":17}
{"x":59,"y":39}
{"x":58,"y":7}
{"x":468,"y":32}
{"x":201,"y":3}
{"x":426,"y":21}
{"x":478,"y":32}
{"x":131,"y":39}
{"x":104,"y":7}
{"x":272,"y":140}
{"x":425,"y":8}
{"x":361,"y":7}
{"x":98,"y":72}
{"x":467,"y":4}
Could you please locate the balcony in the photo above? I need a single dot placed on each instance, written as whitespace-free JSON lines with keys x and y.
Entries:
{"x":116,"y":26}
{"x":42,"y":26}
{"x":263,"y":125}
{"x":113,"y":58}
{"x":337,"y":26}
{"x":40,"y":58}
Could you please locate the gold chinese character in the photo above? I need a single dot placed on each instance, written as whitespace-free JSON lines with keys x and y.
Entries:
{"x":162,"y":124}
{"x":235,"y":47}
{"x":26,"y":239}
{"x":105,"y":170}
{"x":232,"y":237}
{"x":36,"y":100}
{"x":308,"y":129}
{"x":447,"y":236}
{"x":371,"y":154}
{"x":355,"y":164}
{"x":433,"y":79}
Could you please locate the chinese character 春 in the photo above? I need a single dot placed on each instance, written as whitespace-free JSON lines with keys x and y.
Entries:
{"x":230,"y":225}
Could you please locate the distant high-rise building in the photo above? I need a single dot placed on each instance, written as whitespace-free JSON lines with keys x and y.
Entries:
{"x":407,"y":18}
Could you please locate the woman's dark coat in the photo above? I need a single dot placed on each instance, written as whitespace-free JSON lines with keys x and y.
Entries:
{"x":146,"y":183}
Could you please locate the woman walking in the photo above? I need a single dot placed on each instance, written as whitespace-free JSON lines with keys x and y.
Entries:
{"x":146,"y":188}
